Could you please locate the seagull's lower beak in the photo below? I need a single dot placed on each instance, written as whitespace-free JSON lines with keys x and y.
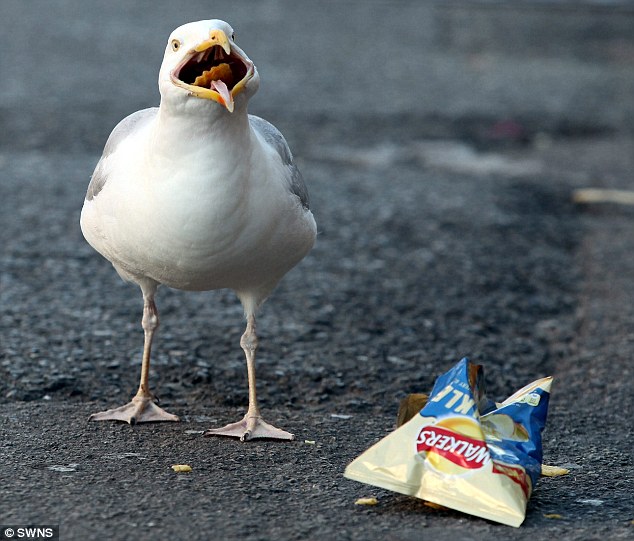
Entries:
{"x":224,"y":94}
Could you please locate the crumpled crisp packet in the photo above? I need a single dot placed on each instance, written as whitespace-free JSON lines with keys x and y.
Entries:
{"x":463,"y":450}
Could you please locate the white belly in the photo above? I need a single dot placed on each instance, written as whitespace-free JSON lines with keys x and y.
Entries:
{"x":198,"y":228}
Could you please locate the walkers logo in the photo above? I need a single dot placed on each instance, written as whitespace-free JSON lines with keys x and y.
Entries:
{"x":453,"y":441}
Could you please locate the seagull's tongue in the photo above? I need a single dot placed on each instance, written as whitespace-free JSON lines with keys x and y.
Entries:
{"x":221,"y":88}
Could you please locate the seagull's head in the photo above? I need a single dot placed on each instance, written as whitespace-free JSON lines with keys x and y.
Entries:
{"x":202,"y":62}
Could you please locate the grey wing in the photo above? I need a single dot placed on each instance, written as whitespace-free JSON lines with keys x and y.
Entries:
{"x":274,"y":138}
{"x":120,"y":132}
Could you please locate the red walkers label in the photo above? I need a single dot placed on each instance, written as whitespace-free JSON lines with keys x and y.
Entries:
{"x":457,"y":448}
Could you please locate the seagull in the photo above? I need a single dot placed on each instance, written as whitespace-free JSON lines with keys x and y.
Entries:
{"x":198,"y":195}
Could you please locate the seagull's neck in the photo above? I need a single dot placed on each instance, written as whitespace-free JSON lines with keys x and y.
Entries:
{"x":199,"y":132}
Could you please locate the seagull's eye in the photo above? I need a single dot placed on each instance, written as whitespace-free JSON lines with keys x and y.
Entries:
{"x":233,"y":36}
{"x":176,"y":45}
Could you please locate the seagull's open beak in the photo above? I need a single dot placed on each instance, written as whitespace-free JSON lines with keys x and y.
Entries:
{"x":214,"y":70}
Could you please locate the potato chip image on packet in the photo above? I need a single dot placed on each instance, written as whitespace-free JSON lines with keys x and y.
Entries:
{"x":464,"y":451}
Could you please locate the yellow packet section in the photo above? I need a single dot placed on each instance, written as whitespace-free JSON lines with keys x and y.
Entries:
{"x":394,"y":464}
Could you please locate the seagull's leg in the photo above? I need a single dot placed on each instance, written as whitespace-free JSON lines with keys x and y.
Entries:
{"x":142,"y":408}
{"x":252,"y":425}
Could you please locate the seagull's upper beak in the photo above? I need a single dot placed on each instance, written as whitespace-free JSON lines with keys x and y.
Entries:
{"x":216,"y":37}
{"x":214,"y":70}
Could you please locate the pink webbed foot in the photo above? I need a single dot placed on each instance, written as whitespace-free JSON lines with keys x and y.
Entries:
{"x":249,"y":428}
{"x":139,"y":410}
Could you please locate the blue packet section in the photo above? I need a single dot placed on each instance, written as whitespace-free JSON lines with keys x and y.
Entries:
{"x":528,"y":411}
{"x":512,"y":430}
{"x":459,"y":391}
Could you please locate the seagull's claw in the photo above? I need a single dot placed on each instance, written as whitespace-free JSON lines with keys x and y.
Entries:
{"x":139,"y":410}
{"x":250,"y":428}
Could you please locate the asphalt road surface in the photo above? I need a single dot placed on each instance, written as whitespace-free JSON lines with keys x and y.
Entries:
{"x":441,"y":143}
